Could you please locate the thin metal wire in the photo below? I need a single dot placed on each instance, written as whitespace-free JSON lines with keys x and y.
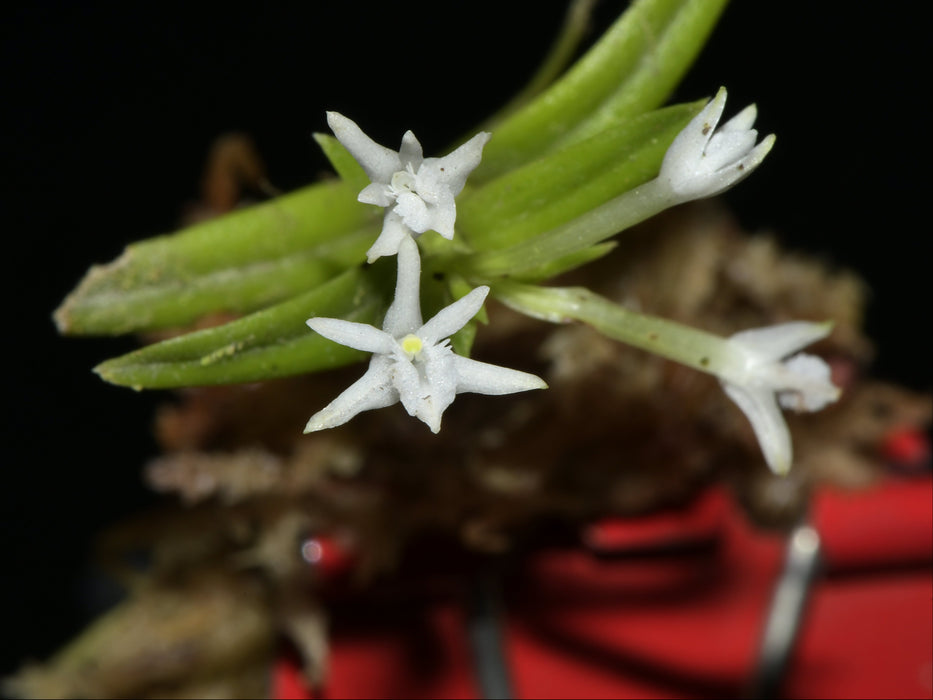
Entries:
{"x":486,"y":638}
{"x":785,"y":616}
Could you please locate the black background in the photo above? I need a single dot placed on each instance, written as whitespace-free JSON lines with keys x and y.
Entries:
{"x":111,"y":109}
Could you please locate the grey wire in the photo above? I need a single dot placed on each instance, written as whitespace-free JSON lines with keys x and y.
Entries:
{"x":486,"y":639}
{"x":785,"y":615}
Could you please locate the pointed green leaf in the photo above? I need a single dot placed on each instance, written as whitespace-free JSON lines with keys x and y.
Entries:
{"x":524,"y":260}
{"x":666,"y":56}
{"x":632,"y":69}
{"x":574,"y":28}
{"x":572,"y":261}
{"x":236,"y":263}
{"x":271,"y":343}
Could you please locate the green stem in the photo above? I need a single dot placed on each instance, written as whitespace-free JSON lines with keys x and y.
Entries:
{"x":689,"y":346}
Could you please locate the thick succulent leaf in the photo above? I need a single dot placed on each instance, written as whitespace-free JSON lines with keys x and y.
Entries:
{"x":558,"y":266}
{"x":560,"y":186}
{"x":236,"y":263}
{"x":529,"y":259}
{"x":632,"y":69}
{"x":274,"y":342}
{"x":559,"y":56}
{"x":665,"y":59}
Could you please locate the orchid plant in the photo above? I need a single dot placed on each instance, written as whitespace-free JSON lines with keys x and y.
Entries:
{"x":538,"y":191}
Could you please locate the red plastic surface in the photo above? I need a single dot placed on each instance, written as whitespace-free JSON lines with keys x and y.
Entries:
{"x":670,"y":605}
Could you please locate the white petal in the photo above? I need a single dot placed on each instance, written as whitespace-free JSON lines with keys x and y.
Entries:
{"x":372,"y":390}
{"x":376,"y":193}
{"x":742,"y":121}
{"x":404,"y":315}
{"x":773,"y":343}
{"x":756,"y":155}
{"x":483,"y":378}
{"x":443,"y":215}
{"x":453,"y":169}
{"x":378,"y":161}
{"x":728,"y":147}
{"x":410,"y":152}
{"x":359,"y":336}
{"x":734,"y":173}
{"x":811,"y":388}
{"x":761,"y":409}
{"x":688,"y":146}
{"x":390,"y":238}
{"x":452,"y":318}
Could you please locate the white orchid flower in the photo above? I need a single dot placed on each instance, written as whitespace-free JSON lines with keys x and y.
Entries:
{"x":761,"y":382}
{"x":420,"y":191}
{"x":412,"y":361}
{"x":703,"y":161}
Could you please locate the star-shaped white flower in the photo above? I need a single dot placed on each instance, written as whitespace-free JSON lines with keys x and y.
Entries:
{"x":420,"y":191}
{"x":703,"y":161}
{"x":412,"y":361}
{"x":762,"y":382}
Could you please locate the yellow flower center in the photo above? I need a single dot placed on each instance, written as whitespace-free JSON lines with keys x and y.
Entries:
{"x":411,"y":344}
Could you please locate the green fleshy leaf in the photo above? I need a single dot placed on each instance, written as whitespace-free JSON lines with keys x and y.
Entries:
{"x":271,"y":343}
{"x":666,"y":57}
{"x":592,"y":138}
{"x":567,"y":263}
{"x":347,"y":168}
{"x":236,"y":263}
{"x":522,"y":260}
{"x":573,"y":29}
{"x":552,"y":190}
{"x":632,"y":69}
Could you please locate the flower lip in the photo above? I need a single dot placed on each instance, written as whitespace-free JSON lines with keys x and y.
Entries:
{"x":806,"y":383}
{"x":703,"y":161}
